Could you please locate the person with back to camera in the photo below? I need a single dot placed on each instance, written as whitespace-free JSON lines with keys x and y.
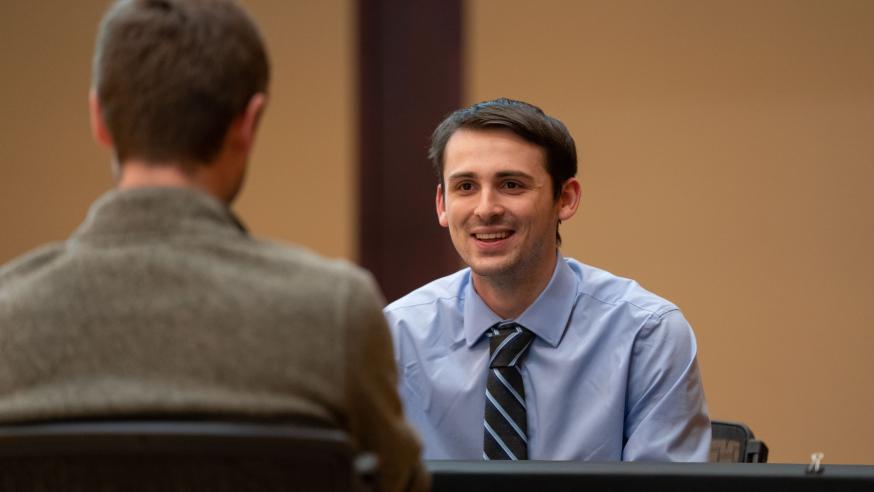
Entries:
{"x":527,"y":354}
{"x":161,"y":303}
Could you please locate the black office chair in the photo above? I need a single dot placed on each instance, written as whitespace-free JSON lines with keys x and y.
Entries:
{"x":734,"y":442}
{"x":139,"y":456}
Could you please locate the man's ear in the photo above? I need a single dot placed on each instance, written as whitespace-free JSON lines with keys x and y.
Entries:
{"x":440,"y":200}
{"x":248,"y":123}
{"x":569,"y":199}
{"x":99,"y":131}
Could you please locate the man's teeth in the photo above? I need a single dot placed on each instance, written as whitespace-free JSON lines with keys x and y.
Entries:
{"x":492,"y":235}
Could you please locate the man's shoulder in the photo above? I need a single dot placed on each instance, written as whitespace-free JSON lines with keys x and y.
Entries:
{"x":449,"y":288}
{"x":608,"y":288}
{"x":30,"y":264}
{"x":298,"y":262}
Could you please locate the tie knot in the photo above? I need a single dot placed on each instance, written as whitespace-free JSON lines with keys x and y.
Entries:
{"x":508,"y":343}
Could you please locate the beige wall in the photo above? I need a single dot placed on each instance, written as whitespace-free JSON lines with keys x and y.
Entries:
{"x":727,"y":152}
{"x":49,"y":168}
{"x":300,"y":186}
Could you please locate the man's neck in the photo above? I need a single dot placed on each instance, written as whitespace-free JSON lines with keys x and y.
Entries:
{"x":509,"y":296}
{"x":142,"y":174}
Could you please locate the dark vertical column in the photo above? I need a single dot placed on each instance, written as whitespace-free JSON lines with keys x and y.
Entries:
{"x":409,"y":79}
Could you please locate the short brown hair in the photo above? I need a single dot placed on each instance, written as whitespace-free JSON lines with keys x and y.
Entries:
{"x":171,"y":75}
{"x":524,"y":119}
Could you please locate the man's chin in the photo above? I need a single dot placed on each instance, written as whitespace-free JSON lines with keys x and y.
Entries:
{"x":493,"y":268}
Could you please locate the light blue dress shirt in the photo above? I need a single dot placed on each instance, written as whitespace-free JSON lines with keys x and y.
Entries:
{"x":611,"y":375}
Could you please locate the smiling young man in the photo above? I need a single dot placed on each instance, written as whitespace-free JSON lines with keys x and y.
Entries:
{"x":526,"y":354}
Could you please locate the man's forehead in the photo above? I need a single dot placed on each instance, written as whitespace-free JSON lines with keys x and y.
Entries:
{"x":491,"y":152}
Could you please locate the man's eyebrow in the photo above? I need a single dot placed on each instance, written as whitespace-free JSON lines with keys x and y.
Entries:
{"x":499,"y":174}
{"x":461,"y":175}
{"x":513,"y":174}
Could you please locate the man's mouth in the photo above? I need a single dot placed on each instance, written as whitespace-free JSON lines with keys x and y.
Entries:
{"x":492,"y":236}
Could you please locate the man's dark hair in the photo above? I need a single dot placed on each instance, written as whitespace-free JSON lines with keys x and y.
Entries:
{"x":171,"y":75}
{"x":523,"y":119}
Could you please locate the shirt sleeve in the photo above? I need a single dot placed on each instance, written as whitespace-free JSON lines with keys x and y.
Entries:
{"x":375,"y":418}
{"x":666,"y":414}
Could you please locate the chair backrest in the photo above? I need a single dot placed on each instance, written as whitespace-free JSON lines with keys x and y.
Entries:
{"x":136,"y":456}
{"x":734,"y":442}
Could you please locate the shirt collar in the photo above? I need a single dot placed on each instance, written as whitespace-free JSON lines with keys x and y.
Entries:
{"x":547,"y":317}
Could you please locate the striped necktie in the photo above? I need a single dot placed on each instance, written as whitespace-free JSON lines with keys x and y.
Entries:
{"x":506,"y":423}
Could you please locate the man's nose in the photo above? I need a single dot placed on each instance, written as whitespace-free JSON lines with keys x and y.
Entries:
{"x":489,"y":205}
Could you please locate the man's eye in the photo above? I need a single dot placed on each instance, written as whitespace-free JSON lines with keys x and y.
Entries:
{"x":512,"y":185}
{"x":465,"y":186}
